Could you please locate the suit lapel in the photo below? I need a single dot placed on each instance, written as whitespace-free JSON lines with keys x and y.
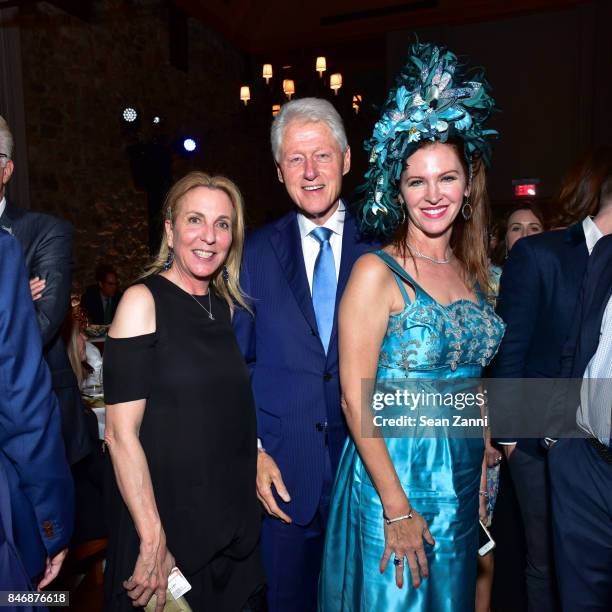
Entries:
{"x":287,"y":244}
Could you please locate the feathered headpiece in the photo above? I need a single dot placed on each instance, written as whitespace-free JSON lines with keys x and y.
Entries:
{"x":432,"y":100}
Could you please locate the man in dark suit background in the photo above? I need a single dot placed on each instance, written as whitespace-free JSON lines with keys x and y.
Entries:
{"x":47,"y":246}
{"x":539,"y":291}
{"x":581,"y":468}
{"x":36,"y":492}
{"x":100,"y":300}
{"x":294,"y":271}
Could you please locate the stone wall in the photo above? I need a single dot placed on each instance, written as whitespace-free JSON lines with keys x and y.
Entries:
{"x":78,"y":76}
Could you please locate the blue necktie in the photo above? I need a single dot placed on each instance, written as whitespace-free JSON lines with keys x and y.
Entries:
{"x":324,"y":285}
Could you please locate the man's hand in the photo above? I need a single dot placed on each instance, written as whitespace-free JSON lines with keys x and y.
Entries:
{"x":36,"y":287}
{"x":268,"y":474}
{"x":52,"y":568}
{"x":508,"y":449}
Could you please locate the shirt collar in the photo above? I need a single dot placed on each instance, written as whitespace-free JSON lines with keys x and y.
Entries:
{"x":335,"y":223}
{"x":2,"y":205}
{"x":591,"y":233}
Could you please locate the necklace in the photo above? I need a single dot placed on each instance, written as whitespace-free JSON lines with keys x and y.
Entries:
{"x":208,"y":310}
{"x":417,"y":253}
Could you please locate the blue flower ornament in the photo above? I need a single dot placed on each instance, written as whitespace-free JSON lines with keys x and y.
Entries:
{"x":430,"y":101}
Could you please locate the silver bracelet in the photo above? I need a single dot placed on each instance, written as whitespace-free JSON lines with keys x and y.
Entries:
{"x":398,"y":518}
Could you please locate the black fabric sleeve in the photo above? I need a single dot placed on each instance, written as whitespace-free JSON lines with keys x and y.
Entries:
{"x":127,"y":368}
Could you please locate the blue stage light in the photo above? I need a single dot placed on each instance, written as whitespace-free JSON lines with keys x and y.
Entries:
{"x":190,"y":145}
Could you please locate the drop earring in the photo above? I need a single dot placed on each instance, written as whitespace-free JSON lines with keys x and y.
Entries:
{"x":169,"y":260}
{"x":466,"y":209}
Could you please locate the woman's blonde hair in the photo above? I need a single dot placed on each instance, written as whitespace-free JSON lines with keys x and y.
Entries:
{"x":228,"y":289}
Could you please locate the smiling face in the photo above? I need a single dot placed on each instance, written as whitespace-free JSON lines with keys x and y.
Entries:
{"x":433,"y":185}
{"x":312,"y":166}
{"x":201,"y":235}
{"x":522,"y":223}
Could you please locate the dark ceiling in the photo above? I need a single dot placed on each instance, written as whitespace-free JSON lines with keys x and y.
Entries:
{"x":273,"y":26}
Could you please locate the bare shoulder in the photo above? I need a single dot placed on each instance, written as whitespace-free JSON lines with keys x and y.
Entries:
{"x":135,"y":314}
{"x":370,"y":268}
{"x":370,"y":271}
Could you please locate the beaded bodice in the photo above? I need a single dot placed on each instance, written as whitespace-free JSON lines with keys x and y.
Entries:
{"x":429,"y":337}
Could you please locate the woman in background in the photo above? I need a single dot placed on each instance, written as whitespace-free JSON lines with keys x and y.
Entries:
{"x":525,"y":219}
{"x":180,"y":419}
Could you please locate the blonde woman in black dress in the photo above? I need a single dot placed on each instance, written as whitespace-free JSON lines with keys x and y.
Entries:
{"x":180,"y":420}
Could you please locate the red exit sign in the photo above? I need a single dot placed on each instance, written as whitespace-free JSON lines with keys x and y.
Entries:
{"x":525,"y":188}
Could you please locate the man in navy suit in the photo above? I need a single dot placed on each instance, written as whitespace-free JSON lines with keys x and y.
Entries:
{"x":539,"y":292}
{"x":36,"y":492}
{"x":100,"y":301}
{"x":294,"y":271}
{"x":47,"y":246}
{"x":581,"y":468}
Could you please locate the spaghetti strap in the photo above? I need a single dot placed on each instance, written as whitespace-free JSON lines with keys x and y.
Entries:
{"x":399,"y":274}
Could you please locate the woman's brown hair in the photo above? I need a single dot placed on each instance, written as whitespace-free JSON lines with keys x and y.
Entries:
{"x":581,"y":188}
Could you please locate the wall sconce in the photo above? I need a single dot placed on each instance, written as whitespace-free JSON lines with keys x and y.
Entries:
{"x":245,"y":94}
{"x":335,"y":82}
{"x":275,"y":109}
{"x":289,"y":88}
{"x":321,"y":66}
{"x":266,"y":73}
{"x":357,"y":103}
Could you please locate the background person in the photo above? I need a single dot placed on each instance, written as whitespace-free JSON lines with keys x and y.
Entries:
{"x":525,"y":219}
{"x":180,"y":419}
{"x":47,"y":246}
{"x":100,"y":300}
{"x":538,"y":295}
{"x":36,"y":492}
{"x":581,"y":469}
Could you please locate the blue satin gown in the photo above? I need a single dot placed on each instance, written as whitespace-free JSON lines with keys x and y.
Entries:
{"x":441,"y":475}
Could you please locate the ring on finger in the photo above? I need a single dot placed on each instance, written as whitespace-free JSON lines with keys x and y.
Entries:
{"x":398,"y":561}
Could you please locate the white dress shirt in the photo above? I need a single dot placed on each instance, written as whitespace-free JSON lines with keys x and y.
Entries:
{"x":311,"y":246}
{"x":591,"y":233}
{"x":2,"y":205}
{"x":595,"y":408}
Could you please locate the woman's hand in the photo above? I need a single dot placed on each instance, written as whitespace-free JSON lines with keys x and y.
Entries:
{"x":150,"y":576}
{"x":405,"y":539}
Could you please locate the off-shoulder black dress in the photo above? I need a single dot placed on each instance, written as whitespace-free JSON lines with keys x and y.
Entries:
{"x":199,"y":437}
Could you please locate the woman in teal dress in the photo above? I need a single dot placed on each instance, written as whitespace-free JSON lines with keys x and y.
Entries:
{"x":403,"y":526}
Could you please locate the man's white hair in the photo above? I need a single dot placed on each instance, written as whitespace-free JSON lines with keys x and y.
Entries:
{"x":6,"y":141}
{"x":306,"y":109}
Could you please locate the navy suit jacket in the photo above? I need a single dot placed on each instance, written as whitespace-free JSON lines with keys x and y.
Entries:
{"x":538,"y":294}
{"x":35,"y":480}
{"x":91,"y":302}
{"x":295,"y":384}
{"x":594,"y":297}
{"x":47,"y":246}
